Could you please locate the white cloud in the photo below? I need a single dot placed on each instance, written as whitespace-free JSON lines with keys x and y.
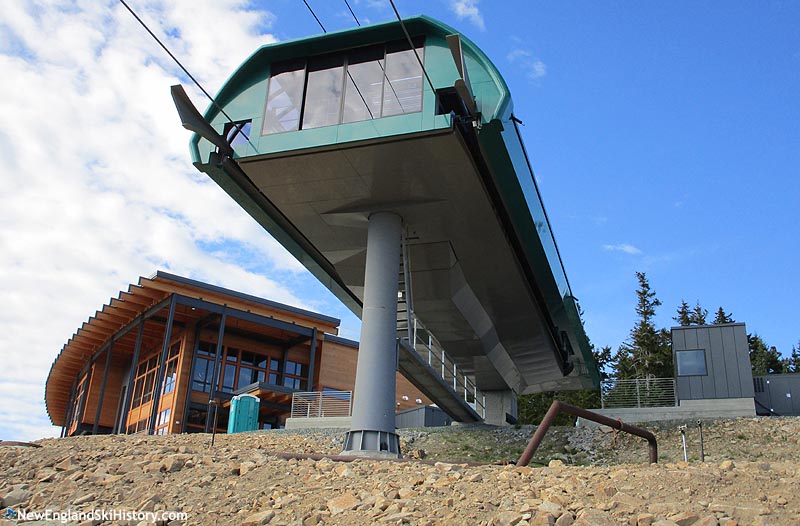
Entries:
{"x":534,"y":68}
{"x":468,"y":9}
{"x":97,"y":184}
{"x":624,"y":247}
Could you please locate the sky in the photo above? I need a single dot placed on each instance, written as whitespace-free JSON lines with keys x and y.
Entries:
{"x":665,"y":137}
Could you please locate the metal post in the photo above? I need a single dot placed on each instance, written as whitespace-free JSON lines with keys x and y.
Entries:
{"x":123,"y":424}
{"x":160,"y":371}
{"x":97,"y":413}
{"x":683,"y":439}
{"x":465,"y":388}
{"x":455,"y":377}
{"x":312,"y":359}
{"x":443,"y":358}
{"x":216,"y":371}
{"x":702,"y":445}
{"x":638,"y":399}
{"x":373,"y":424}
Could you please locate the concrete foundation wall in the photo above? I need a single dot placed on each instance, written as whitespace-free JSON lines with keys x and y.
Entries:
{"x":687,"y":410}
{"x":326,"y":422}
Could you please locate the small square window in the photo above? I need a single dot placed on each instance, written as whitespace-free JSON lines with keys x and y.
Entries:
{"x":692,"y":362}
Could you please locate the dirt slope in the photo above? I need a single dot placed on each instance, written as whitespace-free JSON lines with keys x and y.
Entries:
{"x":590,"y":477}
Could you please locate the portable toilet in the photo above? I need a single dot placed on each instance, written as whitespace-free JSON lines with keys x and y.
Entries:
{"x":244,"y":413}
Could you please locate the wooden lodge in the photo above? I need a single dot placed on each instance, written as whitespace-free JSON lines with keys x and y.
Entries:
{"x":159,"y":355}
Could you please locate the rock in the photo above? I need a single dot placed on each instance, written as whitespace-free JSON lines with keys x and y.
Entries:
{"x":543,"y":519}
{"x":16,"y":497}
{"x":343,"y":503}
{"x":685,"y":518}
{"x":246,"y":467}
{"x":566,"y":519}
{"x":84,"y":499}
{"x":551,"y":507}
{"x":64,"y":465}
{"x":555,"y":464}
{"x":727,"y":465}
{"x":645,"y":519}
{"x":173,"y":463}
{"x":257,"y":519}
{"x":708,"y":520}
{"x":507,"y":518}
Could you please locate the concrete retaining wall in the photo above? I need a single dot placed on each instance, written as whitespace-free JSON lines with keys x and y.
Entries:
{"x":327,"y":422}
{"x":686,"y":410}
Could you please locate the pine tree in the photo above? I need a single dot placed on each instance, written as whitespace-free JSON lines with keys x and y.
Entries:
{"x":647,"y":353}
{"x":763,"y":359}
{"x":793,"y":362}
{"x":698,"y":315}
{"x":722,"y":317}
{"x":683,"y":317}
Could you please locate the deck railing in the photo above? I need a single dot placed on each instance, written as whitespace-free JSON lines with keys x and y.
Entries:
{"x":638,"y":392}
{"x":317,"y":404}
{"x":429,"y":348}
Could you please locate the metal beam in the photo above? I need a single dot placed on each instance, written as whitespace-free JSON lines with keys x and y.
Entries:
{"x":96,"y":425}
{"x":217,"y":356}
{"x":132,"y":376}
{"x":312,"y":360}
{"x":160,"y":371}
{"x":244,"y":315}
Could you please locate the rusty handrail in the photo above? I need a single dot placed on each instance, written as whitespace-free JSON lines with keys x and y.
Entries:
{"x":560,"y":407}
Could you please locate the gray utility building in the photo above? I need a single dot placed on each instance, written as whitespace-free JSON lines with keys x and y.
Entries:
{"x":777,"y":394}
{"x":712,"y":362}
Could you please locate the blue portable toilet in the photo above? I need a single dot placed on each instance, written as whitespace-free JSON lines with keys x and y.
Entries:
{"x":244,"y":413}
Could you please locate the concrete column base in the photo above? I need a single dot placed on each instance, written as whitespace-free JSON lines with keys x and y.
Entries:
{"x":501,"y":407}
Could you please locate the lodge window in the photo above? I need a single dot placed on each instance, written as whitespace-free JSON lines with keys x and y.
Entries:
{"x":238,"y":368}
{"x":80,"y":398}
{"x":171,"y":366}
{"x":296,"y":375}
{"x":366,"y":83}
{"x":162,"y":422}
{"x":144,"y":381}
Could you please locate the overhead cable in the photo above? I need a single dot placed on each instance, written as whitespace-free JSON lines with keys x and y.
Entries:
{"x":178,"y":62}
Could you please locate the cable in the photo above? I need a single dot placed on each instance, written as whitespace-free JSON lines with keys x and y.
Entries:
{"x":352,"y":13}
{"x":178,"y":62}
{"x":411,"y":43}
{"x":315,"y":17}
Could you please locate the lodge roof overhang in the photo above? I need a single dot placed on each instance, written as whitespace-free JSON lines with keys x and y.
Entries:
{"x":116,"y":326}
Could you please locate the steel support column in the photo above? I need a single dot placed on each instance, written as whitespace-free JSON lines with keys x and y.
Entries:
{"x":162,"y":360}
{"x":97,"y":413}
{"x":123,"y":422}
{"x":69,"y":409}
{"x":373,"y":425}
{"x":312,"y":358}
{"x":217,"y":370}
{"x":188,"y":403}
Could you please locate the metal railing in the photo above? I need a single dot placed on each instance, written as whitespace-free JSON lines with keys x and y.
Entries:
{"x":428,"y":347}
{"x":638,"y":392}
{"x":317,"y":404}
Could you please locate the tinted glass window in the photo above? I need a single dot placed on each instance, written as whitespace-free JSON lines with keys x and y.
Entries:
{"x":228,"y":379}
{"x":284,"y":98}
{"x":691,"y":363}
{"x":403,"y":90}
{"x":324,"y":92}
{"x":363,"y":85}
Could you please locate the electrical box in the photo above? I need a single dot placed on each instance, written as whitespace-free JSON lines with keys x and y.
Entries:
{"x":244,"y":413}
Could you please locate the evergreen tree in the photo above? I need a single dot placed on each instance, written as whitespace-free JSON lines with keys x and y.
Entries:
{"x":683,"y":318}
{"x":647,"y":353}
{"x":793,"y":362}
{"x":764,"y":359}
{"x":722,"y":317}
{"x":698,"y":315}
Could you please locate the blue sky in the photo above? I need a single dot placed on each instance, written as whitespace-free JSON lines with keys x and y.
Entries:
{"x":665,"y":138}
